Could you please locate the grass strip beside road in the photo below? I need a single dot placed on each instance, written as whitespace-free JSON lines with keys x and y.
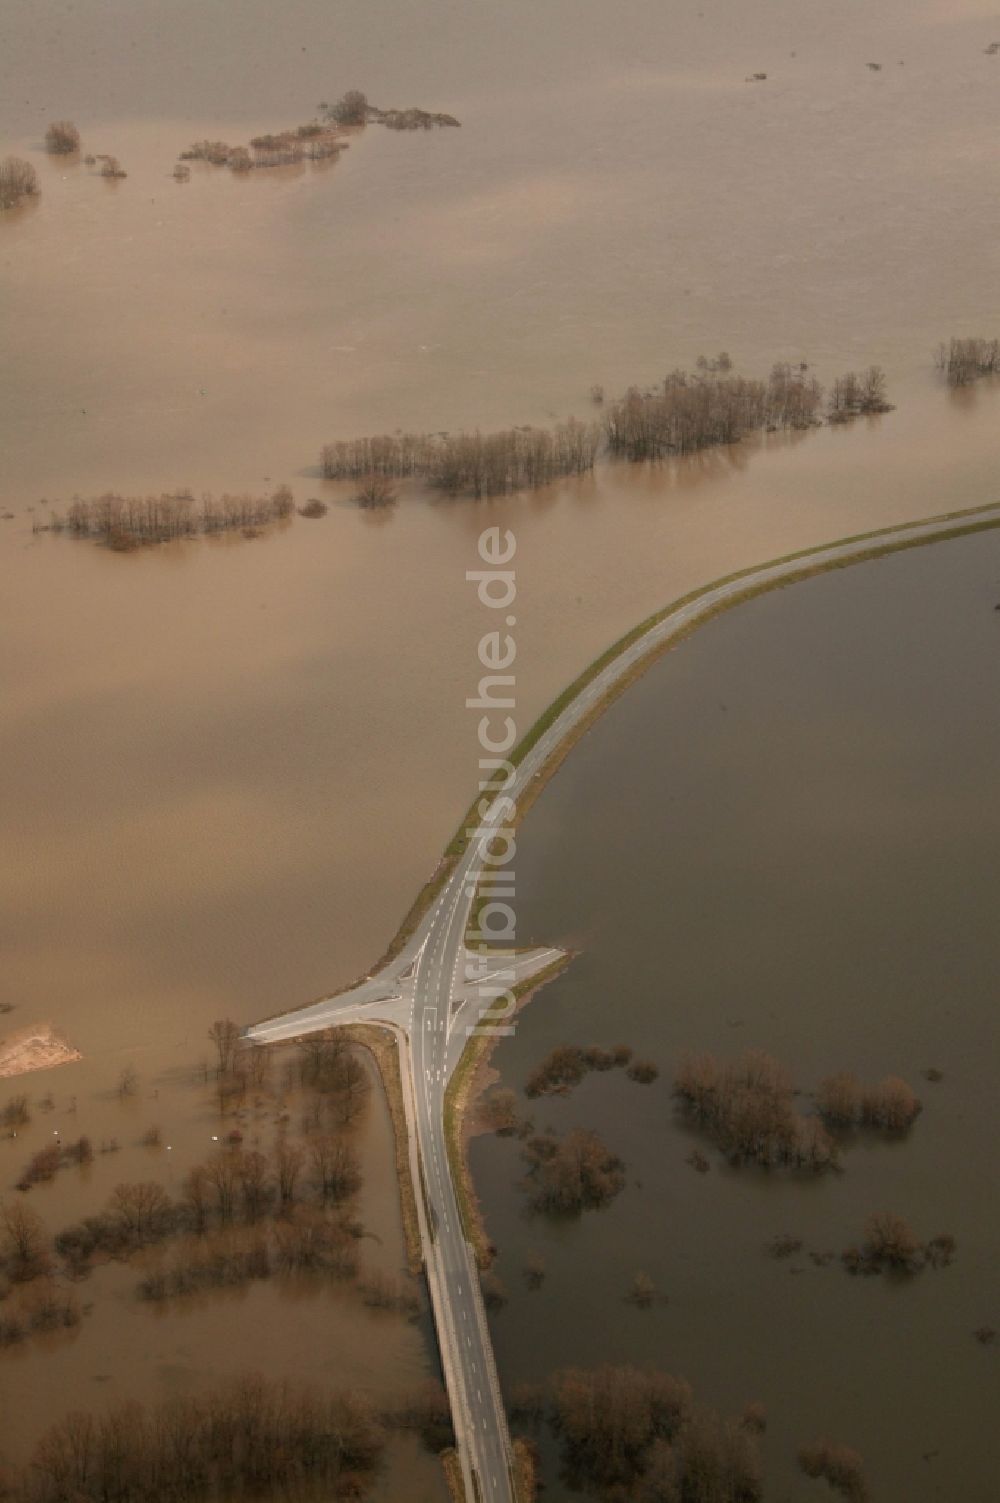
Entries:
{"x":381,"y":1044}
{"x":463,"y":1090}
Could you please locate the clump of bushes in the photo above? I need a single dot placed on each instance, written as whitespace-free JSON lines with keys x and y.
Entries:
{"x":747,"y":1109}
{"x":963,"y":361}
{"x":62,"y":138}
{"x":498,"y":1112}
{"x":18,"y":179}
{"x":312,"y":142}
{"x":314,"y":508}
{"x":641,"y":1291}
{"x":16,"y":1113}
{"x":754,"y":1418}
{"x":892,"y":1105}
{"x":637,"y":1433}
{"x":350,"y":109}
{"x":354,"y":109}
{"x":643,"y":1071}
{"x":110,"y":166}
{"x":411,"y":119}
{"x":571,"y":1174}
{"x":891,"y":1245}
{"x":376,"y":491}
{"x":858,"y":393}
{"x":494,"y":1290}
{"x":838,"y":1465}
{"x":216,"y":152}
{"x":561,"y":1069}
{"x":784,"y":1245}
{"x":534,"y":1271}
{"x":46,"y":1163}
{"x":567,"y":1064}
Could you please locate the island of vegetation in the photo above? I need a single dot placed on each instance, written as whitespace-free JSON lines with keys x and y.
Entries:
{"x":687,"y":412}
{"x":316,"y":141}
{"x":746,"y":1107}
{"x":125,"y":523}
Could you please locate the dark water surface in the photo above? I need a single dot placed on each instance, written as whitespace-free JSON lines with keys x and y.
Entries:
{"x":785,"y":836}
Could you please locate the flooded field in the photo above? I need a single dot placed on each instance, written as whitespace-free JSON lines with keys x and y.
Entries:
{"x":227,"y":765}
{"x":784,"y":838}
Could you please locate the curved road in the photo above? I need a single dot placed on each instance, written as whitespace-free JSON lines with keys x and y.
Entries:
{"x":432,"y":996}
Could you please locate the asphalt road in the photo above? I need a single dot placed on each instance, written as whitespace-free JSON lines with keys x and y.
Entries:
{"x":431,"y":996}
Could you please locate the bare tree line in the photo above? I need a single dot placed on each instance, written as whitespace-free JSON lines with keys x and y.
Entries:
{"x":304,"y":1240}
{"x":963,"y":361}
{"x":126,"y":522}
{"x":687,"y":412}
{"x":476,"y":464}
{"x":691,"y":411}
{"x":243,"y":1439}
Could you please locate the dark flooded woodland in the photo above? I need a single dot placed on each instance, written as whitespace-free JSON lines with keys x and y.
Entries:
{"x":296,"y":304}
{"x":850,"y":718}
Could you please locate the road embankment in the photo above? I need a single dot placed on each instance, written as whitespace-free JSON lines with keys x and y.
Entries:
{"x":471,"y":1078}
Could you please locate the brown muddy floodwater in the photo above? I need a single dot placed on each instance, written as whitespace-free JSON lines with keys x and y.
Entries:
{"x":784,"y":837}
{"x":225,"y":767}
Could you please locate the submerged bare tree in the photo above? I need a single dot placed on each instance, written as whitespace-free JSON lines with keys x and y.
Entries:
{"x":858,"y":393}
{"x":18,"y":179}
{"x":965,"y":360}
{"x":62,"y":137}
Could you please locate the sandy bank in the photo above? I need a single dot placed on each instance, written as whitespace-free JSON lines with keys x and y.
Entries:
{"x":36,"y":1048}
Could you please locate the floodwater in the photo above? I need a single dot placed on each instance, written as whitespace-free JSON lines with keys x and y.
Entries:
{"x":226,"y":767}
{"x":783,"y":837}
